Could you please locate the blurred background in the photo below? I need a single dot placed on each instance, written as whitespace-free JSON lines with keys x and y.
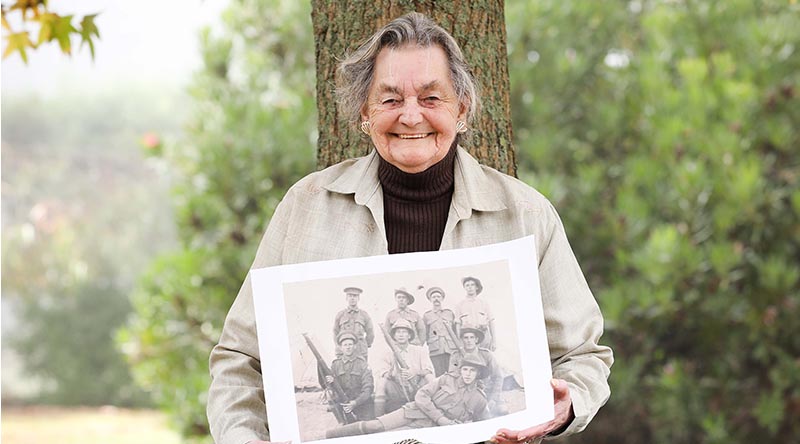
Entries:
{"x":136,"y":185}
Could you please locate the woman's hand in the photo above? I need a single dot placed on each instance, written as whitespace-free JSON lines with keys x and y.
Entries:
{"x":563,"y":416}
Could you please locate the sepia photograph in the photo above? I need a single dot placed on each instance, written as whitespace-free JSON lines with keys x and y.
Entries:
{"x":402,"y":348}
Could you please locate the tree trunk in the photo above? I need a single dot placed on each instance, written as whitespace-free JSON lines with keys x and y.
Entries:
{"x":478,"y":27}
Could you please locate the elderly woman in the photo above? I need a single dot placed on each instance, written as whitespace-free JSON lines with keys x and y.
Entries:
{"x":410,"y":91}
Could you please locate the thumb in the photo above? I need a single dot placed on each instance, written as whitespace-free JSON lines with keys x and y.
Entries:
{"x":560,"y":388}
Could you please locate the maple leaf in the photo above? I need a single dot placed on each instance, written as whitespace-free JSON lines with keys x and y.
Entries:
{"x":61,"y":31}
{"x":88,"y":28}
{"x":18,"y":41}
{"x":47,"y":22}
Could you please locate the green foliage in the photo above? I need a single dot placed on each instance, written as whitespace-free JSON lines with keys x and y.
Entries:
{"x":52,"y":27}
{"x":81,"y":218}
{"x":668,"y":135}
{"x":251,"y":136}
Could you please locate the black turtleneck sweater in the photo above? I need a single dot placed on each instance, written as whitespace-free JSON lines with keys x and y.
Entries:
{"x":416,"y":205}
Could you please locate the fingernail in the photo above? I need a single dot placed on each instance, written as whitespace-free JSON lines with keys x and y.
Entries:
{"x":522,"y":438}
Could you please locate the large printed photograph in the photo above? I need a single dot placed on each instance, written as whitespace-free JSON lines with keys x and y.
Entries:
{"x":402,"y":350}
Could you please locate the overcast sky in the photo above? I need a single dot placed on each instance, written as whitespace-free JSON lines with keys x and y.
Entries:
{"x":141,"y":42}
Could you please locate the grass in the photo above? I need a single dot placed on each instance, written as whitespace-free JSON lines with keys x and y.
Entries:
{"x":83,"y":425}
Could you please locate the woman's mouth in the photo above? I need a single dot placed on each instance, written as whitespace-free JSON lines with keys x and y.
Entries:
{"x":413,"y":136}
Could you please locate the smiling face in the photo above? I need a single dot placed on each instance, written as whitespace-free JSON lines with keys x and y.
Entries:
{"x":347,"y":347}
{"x":412,"y":107}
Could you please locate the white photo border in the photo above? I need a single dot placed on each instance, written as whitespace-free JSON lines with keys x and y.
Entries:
{"x":272,"y":327}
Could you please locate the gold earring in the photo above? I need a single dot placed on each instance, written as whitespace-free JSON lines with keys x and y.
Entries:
{"x":365,"y":126}
{"x":461,"y":127}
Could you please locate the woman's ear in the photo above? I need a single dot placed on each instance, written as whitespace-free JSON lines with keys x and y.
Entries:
{"x":462,"y":111}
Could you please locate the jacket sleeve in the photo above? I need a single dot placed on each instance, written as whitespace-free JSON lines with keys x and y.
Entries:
{"x":421,"y":331}
{"x":369,"y":330}
{"x":367,"y":386}
{"x":236,"y":408}
{"x":424,"y":400}
{"x":574,"y":324}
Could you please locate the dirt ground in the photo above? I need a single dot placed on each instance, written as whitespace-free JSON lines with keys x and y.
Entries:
{"x":314,"y":418}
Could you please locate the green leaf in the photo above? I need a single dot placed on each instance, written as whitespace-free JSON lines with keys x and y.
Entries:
{"x":62,"y":30}
{"x":47,"y":22}
{"x":88,"y":28}
{"x":770,"y":410}
{"x":18,"y":41}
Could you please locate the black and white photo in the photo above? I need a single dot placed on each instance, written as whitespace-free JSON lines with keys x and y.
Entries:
{"x":402,"y":346}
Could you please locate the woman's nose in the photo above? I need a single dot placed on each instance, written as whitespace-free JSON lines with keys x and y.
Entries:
{"x":411,"y":114}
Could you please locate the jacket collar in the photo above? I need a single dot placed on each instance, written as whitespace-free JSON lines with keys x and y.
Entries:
{"x":360,"y":179}
{"x":473,"y":191}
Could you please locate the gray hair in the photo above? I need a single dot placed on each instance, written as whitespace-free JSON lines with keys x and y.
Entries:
{"x":356,"y":71}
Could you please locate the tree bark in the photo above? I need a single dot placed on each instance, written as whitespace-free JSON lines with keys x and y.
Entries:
{"x":477,"y":26}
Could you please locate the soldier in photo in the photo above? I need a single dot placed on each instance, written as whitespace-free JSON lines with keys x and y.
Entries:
{"x":353,"y":374}
{"x":475,"y":312}
{"x":453,"y":398}
{"x":400,"y":373}
{"x":404,"y":298}
{"x":356,"y":321}
{"x":492,"y":380}
{"x":440,"y":329}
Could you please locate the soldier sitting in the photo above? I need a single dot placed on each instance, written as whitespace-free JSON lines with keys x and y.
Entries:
{"x":449,"y":399}
{"x":492,"y":381}
{"x":400,"y":375}
{"x":355,"y":378}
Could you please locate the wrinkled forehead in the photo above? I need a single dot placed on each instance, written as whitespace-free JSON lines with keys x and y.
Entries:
{"x":411,"y":67}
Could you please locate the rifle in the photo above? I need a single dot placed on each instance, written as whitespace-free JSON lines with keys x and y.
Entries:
{"x":339,"y":397}
{"x":399,"y":361}
{"x":453,"y":336}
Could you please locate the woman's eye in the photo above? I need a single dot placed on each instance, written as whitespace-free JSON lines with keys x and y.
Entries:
{"x":431,"y":99}
{"x":389,"y":101}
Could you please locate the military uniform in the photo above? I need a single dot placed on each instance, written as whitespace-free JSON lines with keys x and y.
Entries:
{"x":358,"y":322}
{"x":444,"y":401}
{"x":412,"y":317}
{"x":492,"y":383}
{"x":392,"y":390}
{"x":440,"y":344}
{"x":355,"y":378}
{"x":476,"y":313}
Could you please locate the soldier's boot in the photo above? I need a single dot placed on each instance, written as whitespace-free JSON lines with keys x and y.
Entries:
{"x":356,"y":428}
{"x":380,"y":407}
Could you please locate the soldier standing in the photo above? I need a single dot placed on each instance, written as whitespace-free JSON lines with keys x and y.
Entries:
{"x":492,"y":380}
{"x":400,"y":375}
{"x":356,"y":321}
{"x":355,"y":377}
{"x":453,"y":398}
{"x":440,"y":324}
{"x":476,"y":312}
{"x":403,"y":299}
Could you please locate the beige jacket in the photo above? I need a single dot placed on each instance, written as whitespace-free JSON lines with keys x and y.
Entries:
{"x":338,"y":213}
